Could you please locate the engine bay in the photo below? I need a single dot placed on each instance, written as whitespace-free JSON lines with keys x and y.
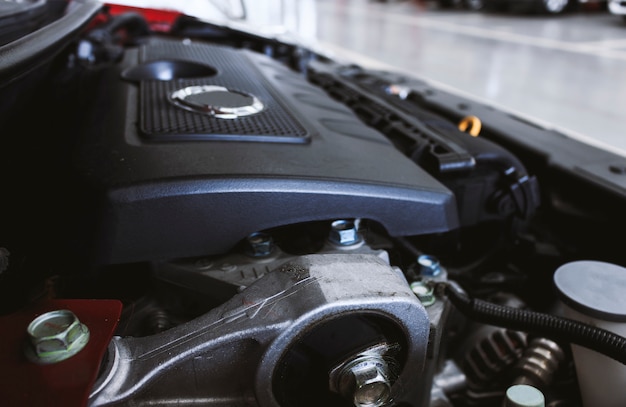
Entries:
{"x":206,"y":216}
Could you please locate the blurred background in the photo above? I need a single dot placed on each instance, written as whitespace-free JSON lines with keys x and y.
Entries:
{"x":560,"y":63}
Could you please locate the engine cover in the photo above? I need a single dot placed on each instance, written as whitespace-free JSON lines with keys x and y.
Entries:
{"x":192,"y":147}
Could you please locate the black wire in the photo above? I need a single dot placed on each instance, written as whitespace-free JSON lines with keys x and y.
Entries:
{"x":549,"y":326}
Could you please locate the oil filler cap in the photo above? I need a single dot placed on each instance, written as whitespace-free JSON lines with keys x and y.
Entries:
{"x":217,"y":101}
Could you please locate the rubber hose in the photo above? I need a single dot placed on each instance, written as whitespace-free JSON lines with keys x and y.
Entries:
{"x":135,"y":23}
{"x":549,"y":326}
{"x":131,"y":20}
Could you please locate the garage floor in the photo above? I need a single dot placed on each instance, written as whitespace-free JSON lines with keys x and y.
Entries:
{"x":567,"y":72}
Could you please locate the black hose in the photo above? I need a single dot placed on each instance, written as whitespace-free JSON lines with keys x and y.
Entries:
{"x":103,"y":44}
{"x":549,"y":326}
{"x":133,"y":22}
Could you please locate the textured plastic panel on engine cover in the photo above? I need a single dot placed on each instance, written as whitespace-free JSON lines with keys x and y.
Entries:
{"x":162,"y":120}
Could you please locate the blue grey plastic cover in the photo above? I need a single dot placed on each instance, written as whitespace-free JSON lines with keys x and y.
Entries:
{"x":167,"y":197}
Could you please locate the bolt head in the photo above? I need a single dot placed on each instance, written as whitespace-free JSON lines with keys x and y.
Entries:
{"x":424,"y":292}
{"x":344,"y":233}
{"x":372,"y":387}
{"x":429,"y":265}
{"x":367,"y":377}
{"x":56,"y":336}
{"x":260,"y":244}
{"x":366,"y":381}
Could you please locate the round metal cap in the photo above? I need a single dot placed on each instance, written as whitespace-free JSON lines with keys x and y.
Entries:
{"x":593,"y":288}
{"x":522,"y":395}
{"x":217,"y":101}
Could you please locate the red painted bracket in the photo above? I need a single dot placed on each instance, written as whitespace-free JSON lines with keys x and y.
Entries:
{"x":67,"y":383}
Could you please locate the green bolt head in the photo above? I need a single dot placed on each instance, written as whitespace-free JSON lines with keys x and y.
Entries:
{"x":55,"y":336}
{"x":424,"y":292}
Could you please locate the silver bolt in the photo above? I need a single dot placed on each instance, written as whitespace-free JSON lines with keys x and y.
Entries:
{"x":424,"y":292}
{"x":372,"y":388}
{"x":56,"y":336}
{"x":429,"y":265}
{"x":366,"y":378}
{"x":344,"y":232}
{"x":367,"y":381}
{"x":261,"y":244}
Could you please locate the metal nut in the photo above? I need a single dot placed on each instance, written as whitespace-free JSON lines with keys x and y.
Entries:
{"x":429,"y":265}
{"x":344,"y":232}
{"x":261,"y":244}
{"x":372,"y":387}
{"x":424,"y":292}
{"x":366,"y":378}
{"x":56,"y":336}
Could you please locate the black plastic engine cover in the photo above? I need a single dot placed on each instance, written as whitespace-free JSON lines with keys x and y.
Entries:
{"x":177,"y":183}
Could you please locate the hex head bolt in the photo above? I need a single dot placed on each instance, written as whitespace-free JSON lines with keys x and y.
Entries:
{"x":55,"y":336}
{"x":344,"y":233}
{"x":429,"y":265}
{"x":261,"y":244}
{"x":367,"y":382}
{"x":424,"y":292}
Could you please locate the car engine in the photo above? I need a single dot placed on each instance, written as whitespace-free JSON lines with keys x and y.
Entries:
{"x":202,"y":215}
